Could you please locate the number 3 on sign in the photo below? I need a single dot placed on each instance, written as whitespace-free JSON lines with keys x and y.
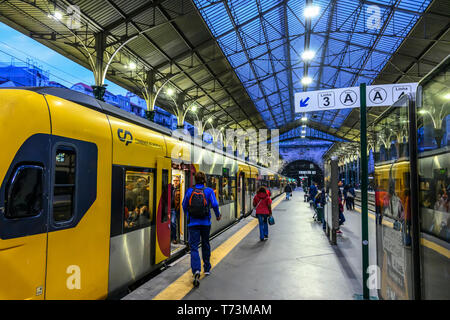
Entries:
{"x":326,"y":100}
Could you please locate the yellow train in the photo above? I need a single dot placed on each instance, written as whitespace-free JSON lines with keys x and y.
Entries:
{"x":73,"y":171}
{"x":412,"y":186}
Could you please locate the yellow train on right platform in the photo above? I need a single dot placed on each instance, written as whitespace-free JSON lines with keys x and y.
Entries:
{"x":412,"y":187}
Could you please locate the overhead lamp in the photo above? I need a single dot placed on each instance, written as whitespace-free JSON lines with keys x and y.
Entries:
{"x":311,"y":11}
{"x":170,"y":91}
{"x":132,"y":65}
{"x":306,"y":81}
{"x":308,"y":55}
{"x":422,"y":111}
{"x":57,"y":15}
{"x":303,"y":136}
{"x":303,"y":132}
{"x":447,"y":96}
{"x":304,"y":125}
{"x":194,"y":108}
{"x":304,"y":118}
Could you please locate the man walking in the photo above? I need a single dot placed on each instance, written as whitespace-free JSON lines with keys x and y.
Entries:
{"x":288,"y":191}
{"x":196,"y":204}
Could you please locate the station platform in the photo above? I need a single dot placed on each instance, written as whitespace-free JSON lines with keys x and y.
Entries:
{"x":297,"y":262}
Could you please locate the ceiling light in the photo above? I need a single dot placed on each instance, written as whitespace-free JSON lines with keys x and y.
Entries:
{"x":306,"y":80}
{"x":303,"y":136}
{"x":447,"y":96}
{"x":58,"y":15}
{"x":132,"y":65}
{"x":304,"y":118}
{"x":194,"y":108}
{"x":170,"y":91}
{"x":308,"y":55}
{"x":311,"y":11}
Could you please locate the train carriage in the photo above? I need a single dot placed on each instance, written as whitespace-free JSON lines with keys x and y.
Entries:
{"x":412,"y":179}
{"x":85,"y":194}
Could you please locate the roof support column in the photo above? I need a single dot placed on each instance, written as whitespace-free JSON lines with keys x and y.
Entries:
{"x":181,"y":98}
{"x":100,"y":46}
{"x":150,"y":95}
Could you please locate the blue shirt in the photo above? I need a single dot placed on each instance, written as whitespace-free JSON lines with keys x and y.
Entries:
{"x":211,"y":201}
{"x":312,"y":191}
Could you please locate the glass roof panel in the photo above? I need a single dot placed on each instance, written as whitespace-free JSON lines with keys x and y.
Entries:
{"x":265,"y":39}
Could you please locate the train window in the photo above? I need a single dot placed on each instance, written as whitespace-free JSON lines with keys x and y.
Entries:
{"x":25,"y":194}
{"x":138,"y":199}
{"x":64,"y":188}
{"x":433,"y":119}
{"x":213,"y":183}
{"x":165,"y":196}
{"x":233,"y":188}
{"x":225,"y":189}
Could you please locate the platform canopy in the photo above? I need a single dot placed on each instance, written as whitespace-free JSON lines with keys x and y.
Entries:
{"x":242,"y":61}
{"x":155,"y":41}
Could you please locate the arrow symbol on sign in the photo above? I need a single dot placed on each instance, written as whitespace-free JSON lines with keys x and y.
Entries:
{"x":304,"y":103}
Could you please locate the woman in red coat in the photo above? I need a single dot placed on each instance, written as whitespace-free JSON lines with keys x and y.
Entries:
{"x":263,"y":205}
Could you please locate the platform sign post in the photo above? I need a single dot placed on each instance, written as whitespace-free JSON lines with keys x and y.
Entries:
{"x":364,"y":182}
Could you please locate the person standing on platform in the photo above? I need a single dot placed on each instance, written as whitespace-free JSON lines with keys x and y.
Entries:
{"x":313,"y":191}
{"x":288,"y":190}
{"x":323,"y":202}
{"x":351,"y":195}
{"x":341,"y":207}
{"x":263,"y":205}
{"x":345,"y":193}
{"x":196,"y":205}
{"x":175,"y":212}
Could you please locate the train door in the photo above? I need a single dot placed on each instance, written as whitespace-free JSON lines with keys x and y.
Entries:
{"x":23,"y":195}
{"x":241,"y":196}
{"x":80,"y":202}
{"x":163,"y":214}
{"x":178,"y":219}
{"x":188,"y":178}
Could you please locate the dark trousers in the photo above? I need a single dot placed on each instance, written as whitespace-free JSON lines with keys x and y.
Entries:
{"x":341,"y":217}
{"x":197,"y":234}
{"x":351,"y":203}
{"x":174,"y":221}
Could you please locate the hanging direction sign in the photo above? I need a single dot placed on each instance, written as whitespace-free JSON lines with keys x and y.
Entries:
{"x":342,"y":98}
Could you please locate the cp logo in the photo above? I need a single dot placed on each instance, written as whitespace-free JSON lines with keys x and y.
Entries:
{"x":126,"y":136}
